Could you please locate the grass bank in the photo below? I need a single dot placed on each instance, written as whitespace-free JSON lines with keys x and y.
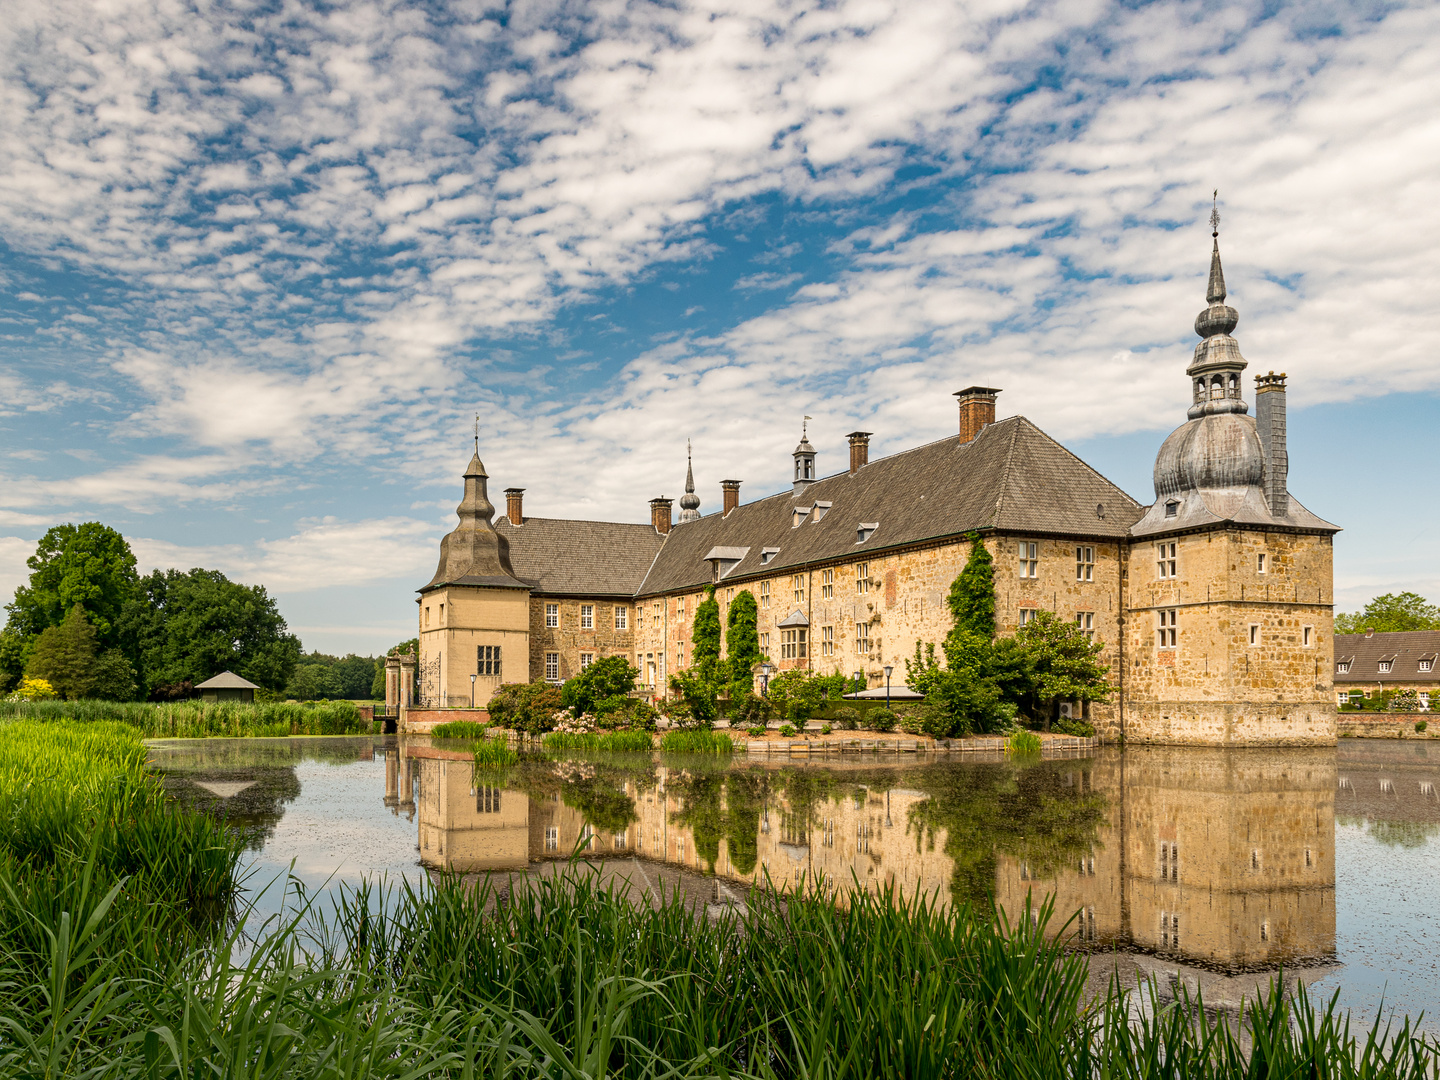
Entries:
{"x":199,"y":720}
{"x":460,"y":729}
{"x":695,"y":741}
{"x":618,"y":741}
{"x":557,"y":978}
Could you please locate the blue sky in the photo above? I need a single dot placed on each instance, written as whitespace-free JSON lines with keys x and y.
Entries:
{"x":261,"y":264}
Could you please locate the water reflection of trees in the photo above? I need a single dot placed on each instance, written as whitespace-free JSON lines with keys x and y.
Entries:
{"x":1027,"y":812}
{"x":1401,"y":834}
{"x":595,"y":787}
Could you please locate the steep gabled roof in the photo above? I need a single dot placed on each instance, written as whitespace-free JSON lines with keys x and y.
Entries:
{"x":226,"y":680}
{"x":1404,"y":649}
{"x":1012,"y":478}
{"x":580,"y":558}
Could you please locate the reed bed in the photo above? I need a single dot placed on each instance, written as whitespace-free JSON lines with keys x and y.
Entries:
{"x":1023,"y":743}
{"x":591,"y":742}
{"x":496,"y":753}
{"x":199,"y":719}
{"x":695,"y":741}
{"x":460,"y":729}
{"x":558,"y":977}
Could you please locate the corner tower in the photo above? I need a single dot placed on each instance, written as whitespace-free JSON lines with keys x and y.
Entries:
{"x":474,"y":613}
{"x":1228,"y":583}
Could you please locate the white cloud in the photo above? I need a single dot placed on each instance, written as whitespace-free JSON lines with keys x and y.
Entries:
{"x":13,"y":571}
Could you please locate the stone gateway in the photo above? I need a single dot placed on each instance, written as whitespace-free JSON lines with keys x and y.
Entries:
{"x":1214,"y":602}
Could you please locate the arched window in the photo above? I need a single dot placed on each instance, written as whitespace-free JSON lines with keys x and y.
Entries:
{"x":1199,"y":389}
{"x":1234,"y":386}
{"x":1217,"y":388}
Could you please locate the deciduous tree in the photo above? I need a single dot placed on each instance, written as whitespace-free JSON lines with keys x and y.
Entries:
{"x":1391,"y":613}
{"x":90,"y":565}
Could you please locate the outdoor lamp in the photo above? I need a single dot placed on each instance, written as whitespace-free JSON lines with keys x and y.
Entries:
{"x":888,"y":669}
{"x":765,"y":670}
{"x":472,"y":691}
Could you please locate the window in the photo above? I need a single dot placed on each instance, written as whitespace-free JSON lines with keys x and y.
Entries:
{"x":1254,"y":633}
{"x":798,"y":516}
{"x":427,"y":614}
{"x":1172,"y":508}
{"x":1029,"y":559}
{"x":620,"y":841}
{"x":765,"y":644}
{"x":552,"y":666}
{"x":649,"y":669}
{"x":587,"y":616}
{"x":764,"y":594}
{"x":622,"y":618}
{"x":1307,"y":636}
{"x":658,"y":608}
{"x":552,"y":838}
{"x":1260,"y":562}
{"x":797,"y":586}
{"x":1384,"y":666}
{"x":487,"y":800}
{"x":793,"y":644}
{"x":865,"y":530}
{"x":1169,"y":861}
{"x":827,"y":584}
{"x":1027,"y":616}
{"x":827,"y":641}
{"x":442,"y":614}
{"x":552,"y":615}
{"x":1084,"y":564}
{"x":1426,"y":665}
{"x":767,"y":554}
{"x":1085,"y":620}
{"x":586,"y":659}
{"x":862,"y":639}
{"x":487,"y":660}
{"x":1343,"y":667}
{"x":1169,"y":930}
{"x":862,"y":578}
{"x":680,"y":654}
{"x":1165,"y":561}
{"x":1169,"y":629}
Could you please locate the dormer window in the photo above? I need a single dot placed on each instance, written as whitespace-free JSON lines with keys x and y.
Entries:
{"x":1342,"y":668}
{"x":821,"y":508}
{"x":1384,"y":666}
{"x":1172,"y":508}
{"x":866,"y":530}
{"x":766,"y":554}
{"x":798,"y":516}
{"x":1426,"y":665}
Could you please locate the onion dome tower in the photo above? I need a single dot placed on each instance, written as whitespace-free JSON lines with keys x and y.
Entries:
{"x":474,"y":553}
{"x":689,"y":502}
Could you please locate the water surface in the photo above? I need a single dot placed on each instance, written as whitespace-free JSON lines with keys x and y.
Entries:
{"x":1208,"y":868}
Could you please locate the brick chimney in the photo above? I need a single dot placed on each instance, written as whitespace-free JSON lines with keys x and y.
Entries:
{"x":730,"y":492}
{"x":515,"y":505}
{"x":660,"y":515}
{"x":1270,"y":426}
{"x":977,"y":410}
{"x":859,"y":450}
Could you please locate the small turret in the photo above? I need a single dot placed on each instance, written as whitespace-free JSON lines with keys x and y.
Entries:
{"x":804,"y":461}
{"x":1215,"y":370}
{"x":689,"y":502}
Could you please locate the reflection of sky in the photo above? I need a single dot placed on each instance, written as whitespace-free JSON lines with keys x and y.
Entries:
{"x":1385,"y":930}
{"x":337,"y":830}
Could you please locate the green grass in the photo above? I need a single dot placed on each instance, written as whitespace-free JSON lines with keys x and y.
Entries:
{"x":460,"y":729}
{"x":693,"y":741}
{"x":1023,"y":743}
{"x":565,"y":979}
{"x":495,"y":753}
{"x":618,"y":741}
{"x":199,"y":720}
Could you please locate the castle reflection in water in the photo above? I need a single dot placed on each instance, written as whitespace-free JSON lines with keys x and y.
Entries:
{"x":1221,"y":858}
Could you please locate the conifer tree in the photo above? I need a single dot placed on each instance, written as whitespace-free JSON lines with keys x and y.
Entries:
{"x":972,"y":594}
{"x":64,"y":656}
{"x":742,"y":642}
{"x":706,"y":638}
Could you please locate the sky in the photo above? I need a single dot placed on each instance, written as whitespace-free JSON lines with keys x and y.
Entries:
{"x":263,"y":264}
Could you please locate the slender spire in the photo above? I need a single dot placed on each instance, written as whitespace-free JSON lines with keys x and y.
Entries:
{"x":689,"y":502}
{"x":1216,"y":366}
{"x":1215,"y":290}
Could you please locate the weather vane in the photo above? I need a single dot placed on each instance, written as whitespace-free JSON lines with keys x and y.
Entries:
{"x":803,"y":428}
{"x":477,"y":433}
{"x":1215,"y":214}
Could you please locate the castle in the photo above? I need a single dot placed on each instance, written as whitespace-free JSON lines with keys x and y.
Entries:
{"x":1214,"y":602}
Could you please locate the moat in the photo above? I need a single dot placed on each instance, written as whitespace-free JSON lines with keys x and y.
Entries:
{"x":1205,"y":867}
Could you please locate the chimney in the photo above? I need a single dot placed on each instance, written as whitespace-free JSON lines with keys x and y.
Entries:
{"x":977,"y":410}
{"x":859,"y":450}
{"x":660,"y":515}
{"x":730,"y":491}
{"x":1270,"y":426}
{"x":514,"y":505}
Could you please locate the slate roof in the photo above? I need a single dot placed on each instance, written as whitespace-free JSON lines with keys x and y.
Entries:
{"x":226,"y":680}
{"x":559,"y":557}
{"x":1013,"y":478}
{"x":1405,"y":651}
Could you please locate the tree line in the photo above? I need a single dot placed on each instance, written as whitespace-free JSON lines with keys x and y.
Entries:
{"x":91,"y":626}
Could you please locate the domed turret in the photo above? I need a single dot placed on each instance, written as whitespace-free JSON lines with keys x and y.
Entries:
{"x":689,"y":502}
{"x":1216,"y":367}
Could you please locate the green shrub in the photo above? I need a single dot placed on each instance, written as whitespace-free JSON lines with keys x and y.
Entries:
{"x":1074,"y":725}
{"x":606,"y":679}
{"x":750,"y":709}
{"x":460,"y":729}
{"x":845,"y":717}
{"x":1420,"y":726}
{"x":787,"y":731}
{"x":825,"y":729}
{"x":696,"y":741}
{"x":757,"y":731}
{"x":881,"y":720}
{"x":528,"y":707}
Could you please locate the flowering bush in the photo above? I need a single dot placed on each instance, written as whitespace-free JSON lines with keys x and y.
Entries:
{"x":34,"y":690}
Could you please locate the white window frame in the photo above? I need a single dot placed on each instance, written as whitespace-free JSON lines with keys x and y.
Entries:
{"x":1260,"y":562}
{"x":1029,"y":552}
{"x":1425,"y":665}
{"x":552,"y":838}
{"x":1342,"y":667}
{"x":765,"y":643}
{"x":680,"y":607}
{"x":862,"y":639}
{"x":862,"y":578}
{"x":1026,"y":616}
{"x":1084,"y":563}
{"x":827,"y":641}
{"x":586,"y":659}
{"x":1166,"y":560}
{"x":764,"y":594}
{"x":552,"y":616}
{"x":797,"y":587}
{"x":622,"y":618}
{"x":794,"y":643}
{"x":552,"y":667}
{"x":587,"y":616}
{"x":827,"y":584}
{"x":1085,"y":620}
{"x":1385,"y":667}
{"x":1168,"y":629}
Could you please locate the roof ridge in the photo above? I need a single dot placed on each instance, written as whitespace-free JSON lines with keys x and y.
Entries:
{"x":573,"y":521}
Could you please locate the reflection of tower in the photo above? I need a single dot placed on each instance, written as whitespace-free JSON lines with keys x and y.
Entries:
{"x":466,"y":823}
{"x":1221,"y":857}
{"x":407,"y":785}
{"x":392,"y":781}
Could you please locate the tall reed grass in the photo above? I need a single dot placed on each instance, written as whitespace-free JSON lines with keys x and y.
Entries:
{"x":696,"y":741}
{"x":199,"y":719}
{"x":617,"y":741}
{"x":460,"y":729}
{"x":558,"y":977}
{"x":496,"y":753}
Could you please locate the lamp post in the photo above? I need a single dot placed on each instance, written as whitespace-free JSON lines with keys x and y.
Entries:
{"x":860,"y":680}
{"x":472,"y":691}
{"x":765,"y":670}
{"x":888,"y":669}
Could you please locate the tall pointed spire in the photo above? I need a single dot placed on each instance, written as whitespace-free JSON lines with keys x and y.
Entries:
{"x":689,"y":502}
{"x":1215,"y":290}
{"x":1215,"y":369}
{"x":474,"y":553}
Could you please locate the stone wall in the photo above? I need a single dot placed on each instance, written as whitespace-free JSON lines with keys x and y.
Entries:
{"x":1387,"y":725}
{"x":421,"y":721}
{"x":569,"y":639}
{"x":454,"y":622}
